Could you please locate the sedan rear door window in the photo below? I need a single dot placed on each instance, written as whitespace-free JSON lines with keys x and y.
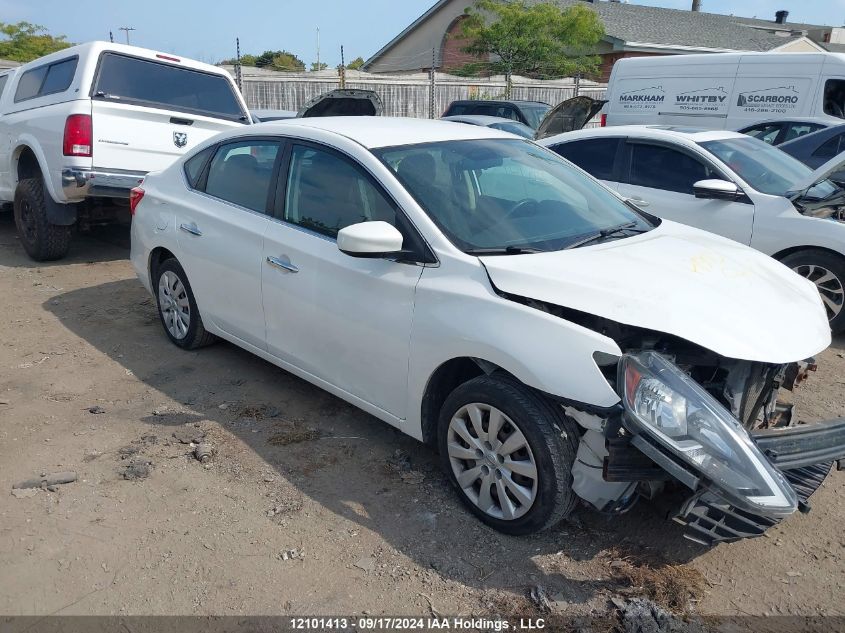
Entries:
{"x":594,"y":155}
{"x":241,"y":173}
{"x":327,"y":192}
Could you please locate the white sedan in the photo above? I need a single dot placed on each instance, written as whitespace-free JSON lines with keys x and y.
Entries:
{"x":479,"y":293}
{"x":730,"y":184}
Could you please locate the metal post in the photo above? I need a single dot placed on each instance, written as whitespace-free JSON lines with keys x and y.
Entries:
{"x":432,"y":85}
{"x":342,"y":69}
{"x":238,"y":77}
{"x":111,"y":37}
{"x":577,"y":83}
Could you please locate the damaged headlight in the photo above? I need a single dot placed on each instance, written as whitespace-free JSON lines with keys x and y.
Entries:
{"x":673,"y":409}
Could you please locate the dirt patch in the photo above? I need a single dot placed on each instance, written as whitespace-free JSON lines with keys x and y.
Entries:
{"x":673,"y":587}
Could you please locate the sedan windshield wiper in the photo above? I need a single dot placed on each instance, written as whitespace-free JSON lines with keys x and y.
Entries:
{"x":506,"y":250}
{"x":629,"y":227}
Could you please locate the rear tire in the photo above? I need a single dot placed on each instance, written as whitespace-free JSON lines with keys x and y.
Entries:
{"x":543,"y":494}
{"x":41,"y":240}
{"x":177,"y":308}
{"x":827,"y":271}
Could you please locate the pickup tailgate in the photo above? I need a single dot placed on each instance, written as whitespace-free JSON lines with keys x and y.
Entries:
{"x":138,"y":138}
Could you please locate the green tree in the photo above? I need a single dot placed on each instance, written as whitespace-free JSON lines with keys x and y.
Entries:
{"x":356,"y":64}
{"x":320,"y":66}
{"x":539,"y":40}
{"x":25,"y":42}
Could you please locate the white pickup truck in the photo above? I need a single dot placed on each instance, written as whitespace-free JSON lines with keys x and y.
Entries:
{"x":81,"y":127}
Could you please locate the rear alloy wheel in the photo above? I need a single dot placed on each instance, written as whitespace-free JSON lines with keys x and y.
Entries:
{"x":509,"y":452}
{"x":827,"y":271}
{"x":177,"y":307}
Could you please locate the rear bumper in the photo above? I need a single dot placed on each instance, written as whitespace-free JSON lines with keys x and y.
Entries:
{"x":79,"y":183}
{"x":804,"y":454}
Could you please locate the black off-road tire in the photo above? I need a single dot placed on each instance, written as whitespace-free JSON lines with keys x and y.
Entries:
{"x":552,"y":437}
{"x":829,"y":261}
{"x":196,"y":335}
{"x":41,"y":240}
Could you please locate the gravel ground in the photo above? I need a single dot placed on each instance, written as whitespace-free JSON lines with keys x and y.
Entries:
{"x":307,"y":505}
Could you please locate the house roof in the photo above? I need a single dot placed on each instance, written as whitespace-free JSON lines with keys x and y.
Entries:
{"x":676,"y":28}
{"x":637,"y":25}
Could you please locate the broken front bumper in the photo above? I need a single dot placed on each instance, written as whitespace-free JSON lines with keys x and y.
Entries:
{"x":805,"y":455}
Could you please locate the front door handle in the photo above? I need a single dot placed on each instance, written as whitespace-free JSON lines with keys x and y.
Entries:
{"x":639,"y":202}
{"x":278,"y":263}
{"x":191,"y":228}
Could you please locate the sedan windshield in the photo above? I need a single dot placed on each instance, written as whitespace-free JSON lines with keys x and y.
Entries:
{"x":509,"y":196}
{"x":767,"y":169}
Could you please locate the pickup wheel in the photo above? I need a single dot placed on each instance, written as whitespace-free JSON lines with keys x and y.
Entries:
{"x":177,"y":307}
{"x":509,"y":451}
{"x":827,"y":271}
{"x":41,"y":240}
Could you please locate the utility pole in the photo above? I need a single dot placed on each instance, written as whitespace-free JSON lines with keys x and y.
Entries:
{"x":342,"y":68}
{"x":318,"y":48}
{"x":111,"y":37}
{"x":127,"y":29}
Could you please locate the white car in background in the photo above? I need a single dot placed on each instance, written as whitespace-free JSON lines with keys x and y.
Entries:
{"x":479,"y":293}
{"x":728,"y":183}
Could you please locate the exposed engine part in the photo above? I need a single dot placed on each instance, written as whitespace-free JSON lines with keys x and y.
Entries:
{"x":796,"y":373}
{"x":588,"y":482}
{"x":625,"y":462}
{"x":587,"y":420}
{"x":748,"y":389}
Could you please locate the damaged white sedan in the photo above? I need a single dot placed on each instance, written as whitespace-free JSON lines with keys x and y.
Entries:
{"x":483,"y":295}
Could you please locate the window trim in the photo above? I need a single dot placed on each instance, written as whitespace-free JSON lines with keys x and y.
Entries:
{"x":422,"y":252}
{"x":92,"y":93}
{"x":202,"y":181}
{"x":840,"y":137}
{"x":48,"y":65}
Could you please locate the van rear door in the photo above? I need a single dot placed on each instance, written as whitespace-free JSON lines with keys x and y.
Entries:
{"x":148,"y":113}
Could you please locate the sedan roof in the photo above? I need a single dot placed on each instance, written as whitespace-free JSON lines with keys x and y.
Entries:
{"x":657,"y":132}
{"x":373,"y":132}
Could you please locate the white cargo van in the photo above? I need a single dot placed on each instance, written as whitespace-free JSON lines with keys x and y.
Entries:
{"x":726,"y":90}
{"x":79,"y":128}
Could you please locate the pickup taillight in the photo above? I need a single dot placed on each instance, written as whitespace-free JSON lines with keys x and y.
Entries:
{"x":136,"y":194}
{"x":78,"y":135}
{"x":603,"y":120}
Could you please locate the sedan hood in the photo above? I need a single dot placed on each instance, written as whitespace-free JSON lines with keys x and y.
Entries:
{"x":708,"y":290}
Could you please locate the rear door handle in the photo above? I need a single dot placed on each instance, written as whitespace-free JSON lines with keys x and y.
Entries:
{"x":191,"y":228}
{"x":639,"y":202}
{"x":278,"y":263}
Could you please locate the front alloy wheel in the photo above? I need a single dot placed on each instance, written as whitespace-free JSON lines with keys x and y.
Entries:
{"x":827,"y":271}
{"x":829,"y":285}
{"x":509,"y":451}
{"x":492,"y":462}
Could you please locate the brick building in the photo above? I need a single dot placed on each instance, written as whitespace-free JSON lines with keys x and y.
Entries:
{"x":630,"y":30}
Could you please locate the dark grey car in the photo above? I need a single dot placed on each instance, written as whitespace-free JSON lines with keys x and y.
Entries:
{"x":815,"y":149}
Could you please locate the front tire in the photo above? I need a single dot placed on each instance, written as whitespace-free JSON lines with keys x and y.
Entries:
{"x":41,"y":240}
{"x":509,"y":452}
{"x":827,"y":271}
{"x":177,"y":308}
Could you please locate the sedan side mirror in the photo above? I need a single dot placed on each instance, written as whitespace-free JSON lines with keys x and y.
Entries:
{"x":716,"y":189}
{"x":369,"y":239}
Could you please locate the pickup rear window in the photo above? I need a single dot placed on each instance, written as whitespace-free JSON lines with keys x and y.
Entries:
{"x":142,"y":82}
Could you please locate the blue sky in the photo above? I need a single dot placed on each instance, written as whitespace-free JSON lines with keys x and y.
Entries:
{"x":206,"y":29}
